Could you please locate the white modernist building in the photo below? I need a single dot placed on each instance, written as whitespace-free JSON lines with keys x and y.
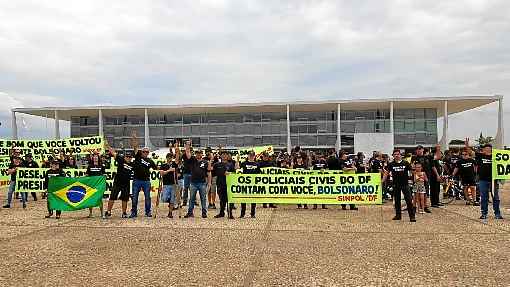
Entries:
{"x":405,"y":122}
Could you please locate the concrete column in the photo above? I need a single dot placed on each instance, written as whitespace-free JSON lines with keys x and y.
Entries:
{"x":500,"y":135}
{"x":100,"y":117}
{"x":392,"y":124}
{"x":289,"y":144}
{"x":57,"y":126}
{"x":338,"y":130}
{"x":14,"y":126}
{"x":445,"y":141}
{"x":146,"y":130}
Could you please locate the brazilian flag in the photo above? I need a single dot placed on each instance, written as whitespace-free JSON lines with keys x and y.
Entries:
{"x":74,"y":193}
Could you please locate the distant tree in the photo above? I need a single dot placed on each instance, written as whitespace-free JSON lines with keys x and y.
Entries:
{"x":484,"y":140}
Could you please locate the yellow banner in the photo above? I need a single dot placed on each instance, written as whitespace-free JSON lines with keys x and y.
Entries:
{"x":500,"y":164}
{"x":75,"y":146}
{"x":305,"y":188}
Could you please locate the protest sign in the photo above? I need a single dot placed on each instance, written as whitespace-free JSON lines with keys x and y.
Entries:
{"x":305,"y":188}
{"x":500,"y":164}
{"x":75,"y":146}
{"x":243,"y":152}
{"x":32,"y":179}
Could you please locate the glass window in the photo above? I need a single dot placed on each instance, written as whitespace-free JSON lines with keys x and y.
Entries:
{"x":365,"y":126}
{"x":431,"y":113}
{"x":192,"y":119}
{"x":307,"y":140}
{"x":75,"y":120}
{"x":347,"y":127}
{"x":347,"y":139}
{"x":409,"y":126}
{"x":419,"y":125}
{"x":431,"y":126}
{"x":419,"y":113}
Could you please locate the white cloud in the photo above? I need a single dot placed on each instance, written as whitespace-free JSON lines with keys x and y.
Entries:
{"x":125,"y":52}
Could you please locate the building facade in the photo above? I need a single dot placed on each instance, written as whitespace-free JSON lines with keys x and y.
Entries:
{"x":310,"y":125}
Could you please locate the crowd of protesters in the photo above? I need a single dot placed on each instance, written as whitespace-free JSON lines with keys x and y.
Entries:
{"x":419,"y":176}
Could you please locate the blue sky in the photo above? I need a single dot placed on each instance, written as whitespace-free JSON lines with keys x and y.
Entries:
{"x":62,"y":53}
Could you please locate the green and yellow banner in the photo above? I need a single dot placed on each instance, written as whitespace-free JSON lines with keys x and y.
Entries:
{"x":243,"y":152}
{"x":75,"y":146}
{"x":305,"y":188}
{"x":69,"y":194}
{"x":500,"y":164}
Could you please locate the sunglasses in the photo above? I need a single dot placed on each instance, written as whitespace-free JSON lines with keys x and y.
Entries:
{"x":464,"y":154}
{"x":145,"y":151}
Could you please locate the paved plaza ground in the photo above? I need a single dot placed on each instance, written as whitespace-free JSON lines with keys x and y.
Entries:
{"x":281,"y":247}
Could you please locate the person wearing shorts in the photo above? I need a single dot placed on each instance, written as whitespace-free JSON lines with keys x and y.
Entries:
{"x":168,"y":172}
{"x":466,"y":168}
{"x":121,"y":182}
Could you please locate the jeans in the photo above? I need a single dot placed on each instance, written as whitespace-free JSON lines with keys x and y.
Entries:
{"x":186,"y":186}
{"x":168,"y":194}
{"x":24,"y":195}
{"x":398,"y":189}
{"x":146,"y":186}
{"x":201,"y":188}
{"x":485,"y":189}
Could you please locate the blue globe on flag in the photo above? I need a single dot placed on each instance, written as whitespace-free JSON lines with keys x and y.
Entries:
{"x":76,"y":193}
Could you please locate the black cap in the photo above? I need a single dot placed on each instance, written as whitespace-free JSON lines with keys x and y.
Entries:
{"x":55,"y":162}
{"x":487,"y":145}
{"x":419,"y":147}
{"x":128,"y":154}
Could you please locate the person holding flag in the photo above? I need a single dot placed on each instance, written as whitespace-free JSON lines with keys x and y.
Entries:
{"x":96,"y":168}
{"x":54,"y":170}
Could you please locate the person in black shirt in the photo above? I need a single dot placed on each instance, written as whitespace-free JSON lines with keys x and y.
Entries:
{"x":346,"y":166}
{"x":168,"y":172}
{"x":96,"y":168}
{"x":359,"y":163}
{"x":320,"y":164}
{"x":265,"y":163}
{"x":211,"y":181}
{"x":71,"y":163}
{"x":466,"y":168}
{"x":484,"y":162}
{"x":54,"y":170}
{"x":436,"y":178}
{"x":300,"y":164}
{"x":11,"y":170}
{"x":333,"y":163}
{"x":400,"y":171}
{"x":30,"y":163}
{"x":200,"y":167}
{"x":187,"y":163}
{"x":121,"y":182}
{"x":250,"y":166}
{"x":221,"y":170}
{"x":141,"y":181}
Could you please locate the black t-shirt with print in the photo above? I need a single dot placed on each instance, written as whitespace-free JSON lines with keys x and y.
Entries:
{"x":376,"y":166}
{"x":95,"y":170}
{"x":52,"y":173}
{"x":320,"y":164}
{"x":333,"y":163}
{"x":199,"y":169}
{"x":250,"y":167}
{"x":142,"y":166}
{"x":360,"y":165}
{"x":400,"y":172}
{"x":484,"y":163}
{"x":466,"y":169}
{"x":31,"y":164}
{"x":169,"y":178}
{"x":124,"y":170}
